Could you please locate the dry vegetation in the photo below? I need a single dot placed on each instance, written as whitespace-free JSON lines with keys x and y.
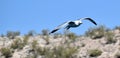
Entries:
{"x":94,"y":52}
{"x":99,"y":42}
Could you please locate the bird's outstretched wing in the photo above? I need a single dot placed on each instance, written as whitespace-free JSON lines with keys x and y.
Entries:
{"x":59,"y":27}
{"x":91,"y":20}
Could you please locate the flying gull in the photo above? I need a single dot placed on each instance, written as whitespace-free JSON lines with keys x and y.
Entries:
{"x":72,"y":24}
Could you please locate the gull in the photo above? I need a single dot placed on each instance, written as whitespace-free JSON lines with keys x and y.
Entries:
{"x":72,"y":24}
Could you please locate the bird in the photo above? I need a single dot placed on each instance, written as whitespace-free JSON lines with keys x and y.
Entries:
{"x":72,"y":24}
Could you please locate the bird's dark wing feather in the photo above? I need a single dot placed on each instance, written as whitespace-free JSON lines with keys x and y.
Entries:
{"x":59,"y":27}
{"x":91,"y":20}
{"x":53,"y":31}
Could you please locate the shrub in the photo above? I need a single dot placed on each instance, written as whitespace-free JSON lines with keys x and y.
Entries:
{"x":25,"y":40}
{"x":117,"y":55}
{"x":117,"y":27}
{"x":47,"y":39}
{"x":12,"y":34}
{"x":82,"y":44}
{"x":96,"y":32}
{"x":42,"y":50}
{"x":94,"y":52}
{"x":19,"y":43}
{"x":72,"y":36}
{"x":57,"y":35}
{"x":16,"y":43}
{"x":2,"y":35}
{"x":67,"y":52}
{"x":31,"y":33}
{"x":6,"y":52}
{"x":61,"y":52}
{"x":109,"y":37}
{"x":99,"y":32}
{"x":38,"y":50}
{"x":45,"y":32}
{"x":64,"y":51}
{"x":34,"y":44}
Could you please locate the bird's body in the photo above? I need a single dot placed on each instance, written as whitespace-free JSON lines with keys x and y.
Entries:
{"x":72,"y":24}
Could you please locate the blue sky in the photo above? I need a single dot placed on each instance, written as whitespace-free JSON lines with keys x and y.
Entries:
{"x":26,"y":15}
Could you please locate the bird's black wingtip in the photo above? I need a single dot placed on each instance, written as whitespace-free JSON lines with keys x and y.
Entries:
{"x":95,"y":23}
{"x":91,"y":20}
{"x":53,"y":31}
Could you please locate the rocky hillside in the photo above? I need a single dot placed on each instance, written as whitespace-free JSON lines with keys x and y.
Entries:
{"x":97,"y":42}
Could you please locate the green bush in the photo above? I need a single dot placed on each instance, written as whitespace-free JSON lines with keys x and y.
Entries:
{"x":95,"y":33}
{"x":61,"y":52}
{"x":18,"y":43}
{"x":42,"y":50}
{"x":12,"y":34}
{"x":64,"y":51}
{"x":99,"y":32}
{"x":37,"y":49}
{"x":109,"y":37}
{"x":71,"y":36}
{"x":31,"y":33}
{"x":57,"y":35}
{"x":25,"y":40}
{"x":2,"y":35}
{"x":6,"y":52}
{"x":117,"y":27}
{"x":34,"y":44}
{"x":94,"y":52}
{"x":45,"y":32}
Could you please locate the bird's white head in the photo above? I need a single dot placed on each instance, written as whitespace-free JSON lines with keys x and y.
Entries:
{"x":79,"y":20}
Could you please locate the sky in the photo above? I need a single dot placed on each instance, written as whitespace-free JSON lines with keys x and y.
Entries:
{"x":26,"y":15}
